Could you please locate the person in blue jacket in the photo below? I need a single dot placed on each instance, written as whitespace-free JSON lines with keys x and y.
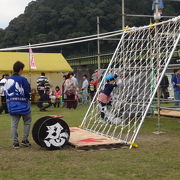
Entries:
{"x":176,"y":85}
{"x":17,"y":90}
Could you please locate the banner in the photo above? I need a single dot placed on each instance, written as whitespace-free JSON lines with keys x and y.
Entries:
{"x":31,"y":59}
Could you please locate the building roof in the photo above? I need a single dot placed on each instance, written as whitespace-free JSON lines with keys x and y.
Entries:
{"x":45,"y":62}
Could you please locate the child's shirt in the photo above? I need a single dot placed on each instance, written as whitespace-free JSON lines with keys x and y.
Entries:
{"x":92,"y":87}
{"x":57,"y":94}
{"x":108,"y":89}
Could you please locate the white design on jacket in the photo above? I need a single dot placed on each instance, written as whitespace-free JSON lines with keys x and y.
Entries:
{"x":55,"y":137}
{"x":16,"y":90}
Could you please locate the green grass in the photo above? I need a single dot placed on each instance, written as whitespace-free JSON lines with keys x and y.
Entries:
{"x":158,"y":156}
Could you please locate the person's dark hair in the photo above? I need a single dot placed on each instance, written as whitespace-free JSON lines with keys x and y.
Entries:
{"x":42,"y":74}
{"x":68,"y":76}
{"x":5,"y":75}
{"x":65,"y":77}
{"x":47,"y":89}
{"x":18,"y":66}
{"x":112,"y":79}
{"x":71,"y":73}
{"x":85,"y":75}
{"x":57,"y":87}
{"x":176,"y":70}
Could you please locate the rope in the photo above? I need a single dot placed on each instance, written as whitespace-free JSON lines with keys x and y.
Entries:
{"x":86,"y":38}
{"x":66,"y":42}
{"x":143,"y":64}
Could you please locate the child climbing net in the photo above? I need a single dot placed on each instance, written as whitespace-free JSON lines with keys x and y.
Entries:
{"x":104,"y":97}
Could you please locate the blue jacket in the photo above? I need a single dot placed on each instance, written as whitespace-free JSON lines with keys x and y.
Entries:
{"x":175,"y":80}
{"x":18,"y":91}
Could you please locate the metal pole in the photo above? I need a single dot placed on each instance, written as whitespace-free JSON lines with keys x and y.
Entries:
{"x":123,"y":15}
{"x":29,"y":66}
{"x":150,"y":101}
{"x":98,"y":45}
{"x":158,"y":90}
{"x":157,"y":6}
{"x":156,"y":10}
{"x":153,"y":73}
{"x":158,"y":104}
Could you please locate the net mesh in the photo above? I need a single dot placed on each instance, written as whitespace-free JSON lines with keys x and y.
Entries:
{"x":142,"y":57}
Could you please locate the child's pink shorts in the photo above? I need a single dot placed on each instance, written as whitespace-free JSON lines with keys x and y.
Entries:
{"x":104,"y":98}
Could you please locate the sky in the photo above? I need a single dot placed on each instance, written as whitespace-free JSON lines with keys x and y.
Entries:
{"x":9,"y":9}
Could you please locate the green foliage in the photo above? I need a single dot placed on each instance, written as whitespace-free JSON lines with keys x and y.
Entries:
{"x":45,"y":20}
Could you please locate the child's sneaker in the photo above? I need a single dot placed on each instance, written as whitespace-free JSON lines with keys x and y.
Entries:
{"x":102,"y":120}
{"x":16,"y":145}
{"x":26,"y":143}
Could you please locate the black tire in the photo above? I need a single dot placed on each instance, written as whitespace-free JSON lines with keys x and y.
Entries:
{"x":58,"y":135}
{"x":36,"y":127}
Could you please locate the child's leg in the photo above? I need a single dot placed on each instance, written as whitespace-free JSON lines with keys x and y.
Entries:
{"x":103,"y":109}
{"x":109,"y":104}
{"x":58,"y":104}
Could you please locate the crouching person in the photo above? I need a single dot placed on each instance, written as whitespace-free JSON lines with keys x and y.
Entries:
{"x":45,"y":101}
{"x":17,"y":91}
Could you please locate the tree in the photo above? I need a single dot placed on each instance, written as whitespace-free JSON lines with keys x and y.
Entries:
{"x":45,"y":20}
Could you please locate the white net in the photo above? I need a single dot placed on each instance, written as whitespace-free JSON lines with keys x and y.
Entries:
{"x":142,"y":57}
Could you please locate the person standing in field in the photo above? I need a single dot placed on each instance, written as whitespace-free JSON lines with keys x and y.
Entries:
{"x":2,"y":92}
{"x":42,"y":84}
{"x":64,"y":97}
{"x":176,"y":85}
{"x":74,"y":79}
{"x":164,"y":84}
{"x":84,"y":89}
{"x":18,"y":91}
{"x":92,"y":89}
{"x":70,"y":92}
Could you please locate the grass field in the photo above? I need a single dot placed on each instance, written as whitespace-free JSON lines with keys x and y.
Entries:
{"x":158,"y":156}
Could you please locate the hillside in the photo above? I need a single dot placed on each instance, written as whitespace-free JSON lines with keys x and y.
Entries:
{"x":45,"y":20}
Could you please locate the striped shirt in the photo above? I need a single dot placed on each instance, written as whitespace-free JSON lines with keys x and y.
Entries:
{"x":42,"y":83}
